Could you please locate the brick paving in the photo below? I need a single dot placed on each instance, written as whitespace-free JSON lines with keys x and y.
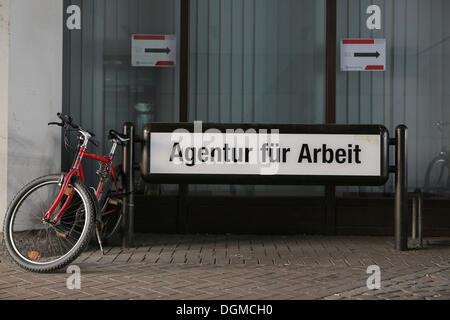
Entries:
{"x":231,"y":267}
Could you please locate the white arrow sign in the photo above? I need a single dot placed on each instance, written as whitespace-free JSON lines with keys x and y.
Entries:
{"x":150,"y":50}
{"x":363,"y":55}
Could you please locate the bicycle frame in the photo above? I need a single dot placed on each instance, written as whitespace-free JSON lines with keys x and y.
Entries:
{"x":77,"y":169}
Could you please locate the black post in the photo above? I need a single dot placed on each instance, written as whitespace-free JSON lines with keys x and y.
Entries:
{"x":414,"y":215}
{"x":128,"y":198}
{"x":420,"y":217}
{"x":401,"y":188}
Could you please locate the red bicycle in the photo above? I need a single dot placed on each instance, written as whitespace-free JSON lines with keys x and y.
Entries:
{"x":52,"y":219}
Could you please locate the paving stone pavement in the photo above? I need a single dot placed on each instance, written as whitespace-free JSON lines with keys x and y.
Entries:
{"x":231,"y":267}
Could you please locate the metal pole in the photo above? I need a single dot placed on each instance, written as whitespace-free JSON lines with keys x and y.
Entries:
{"x":130,"y":233}
{"x":414,"y":216}
{"x":420,"y":217}
{"x":128,"y":197}
{"x":401,"y":189}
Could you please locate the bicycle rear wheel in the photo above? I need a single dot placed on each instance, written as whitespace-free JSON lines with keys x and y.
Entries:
{"x":43,"y":247}
{"x":110,"y":202}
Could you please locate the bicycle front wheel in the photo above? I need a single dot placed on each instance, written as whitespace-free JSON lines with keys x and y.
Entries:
{"x":44,"y":247}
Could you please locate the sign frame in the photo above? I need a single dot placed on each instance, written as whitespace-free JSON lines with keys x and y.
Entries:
{"x":363,"y":55}
{"x":162,"y":48}
{"x":253,"y":179}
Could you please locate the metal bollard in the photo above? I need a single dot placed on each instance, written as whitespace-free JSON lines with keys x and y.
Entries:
{"x":401,"y":188}
{"x":420,"y":217}
{"x":417,"y":217}
{"x":414,"y":217}
{"x":128,"y":197}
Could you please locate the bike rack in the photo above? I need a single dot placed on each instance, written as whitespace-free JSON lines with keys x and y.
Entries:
{"x":400,"y":169}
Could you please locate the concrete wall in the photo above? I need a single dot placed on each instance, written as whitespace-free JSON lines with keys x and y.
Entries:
{"x":4,"y":39}
{"x":35,"y":92}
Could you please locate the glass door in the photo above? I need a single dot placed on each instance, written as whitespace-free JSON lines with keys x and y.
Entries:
{"x":103,"y":87}
{"x":413,"y":89}
{"x":257,"y":61}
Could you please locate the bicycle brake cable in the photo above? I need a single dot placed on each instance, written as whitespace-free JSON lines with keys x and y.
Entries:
{"x":67,"y":145}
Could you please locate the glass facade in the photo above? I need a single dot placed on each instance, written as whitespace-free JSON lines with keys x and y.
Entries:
{"x":257,"y":61}
{"x":415,"y":88}
{"x":263,"y":61}
{"x":102,"y":89}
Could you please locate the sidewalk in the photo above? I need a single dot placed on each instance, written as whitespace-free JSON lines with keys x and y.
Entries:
{"x":242,"y":267}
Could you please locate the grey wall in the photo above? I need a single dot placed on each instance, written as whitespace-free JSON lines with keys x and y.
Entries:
{"x":35,"y":87}
{"x":4,"y":61}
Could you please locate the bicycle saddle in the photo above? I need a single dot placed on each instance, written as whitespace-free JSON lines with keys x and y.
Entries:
{"x":113,"y":134}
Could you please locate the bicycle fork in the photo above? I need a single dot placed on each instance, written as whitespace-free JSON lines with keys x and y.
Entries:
{"x":65,"y":191}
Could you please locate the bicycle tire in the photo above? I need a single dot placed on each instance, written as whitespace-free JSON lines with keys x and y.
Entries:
{"x":430,"y":185}
{"x":85,"y":235}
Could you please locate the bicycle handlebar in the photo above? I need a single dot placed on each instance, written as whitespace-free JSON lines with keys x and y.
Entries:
{"x":67,"y":120}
